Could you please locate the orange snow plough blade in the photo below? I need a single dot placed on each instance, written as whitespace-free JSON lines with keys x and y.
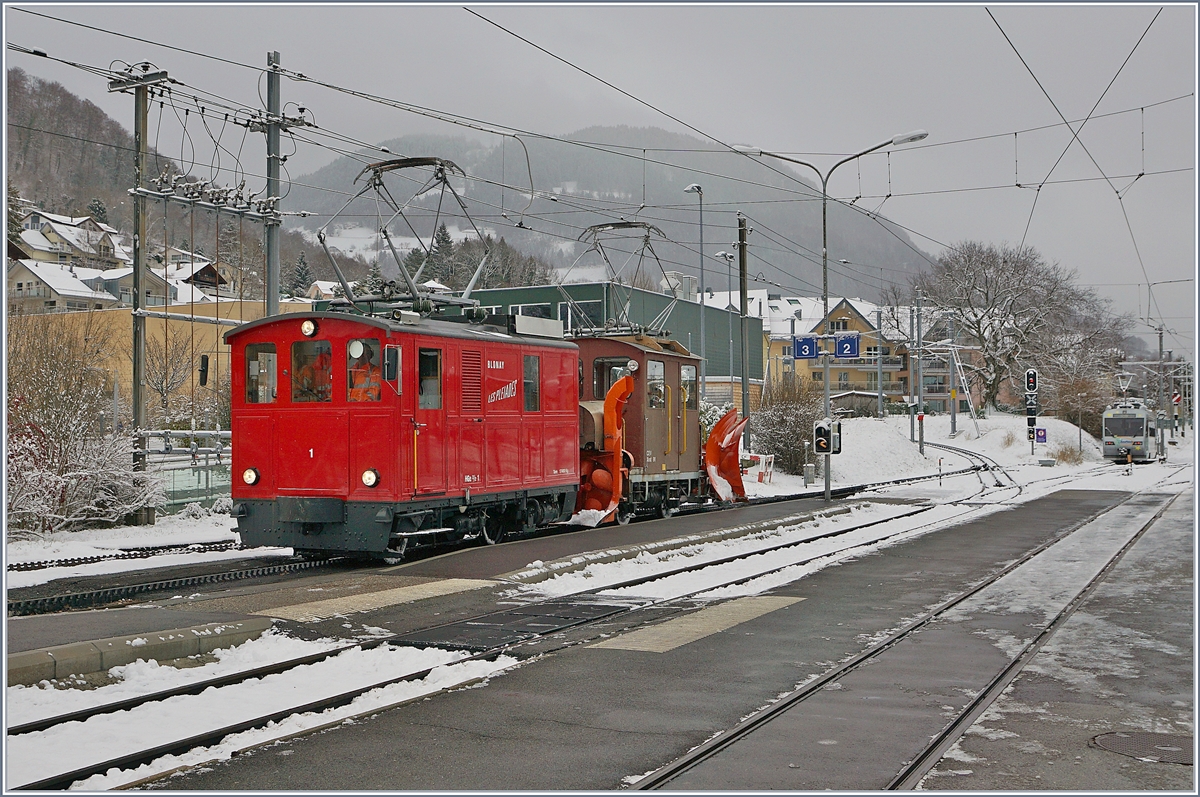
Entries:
{"x":601,"y":473}
{"x":721,"y":457}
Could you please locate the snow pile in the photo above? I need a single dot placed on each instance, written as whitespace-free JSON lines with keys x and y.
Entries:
{"x":875,"y":450}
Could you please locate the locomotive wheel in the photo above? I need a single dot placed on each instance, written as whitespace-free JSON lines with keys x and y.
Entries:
{"x":665,"y":510}
{"x":494,"y":529}
{"x":625,"y":513}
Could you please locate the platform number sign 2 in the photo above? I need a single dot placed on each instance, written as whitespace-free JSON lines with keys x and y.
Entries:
{"x":1031,"y":381}
{"x":846,"y":345}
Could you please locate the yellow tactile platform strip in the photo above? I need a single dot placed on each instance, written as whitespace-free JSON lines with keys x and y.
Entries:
{"x":683,"y":630}
{"x":365,"y":602}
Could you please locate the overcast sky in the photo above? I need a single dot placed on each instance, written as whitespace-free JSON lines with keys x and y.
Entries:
{"x":811,"y":81}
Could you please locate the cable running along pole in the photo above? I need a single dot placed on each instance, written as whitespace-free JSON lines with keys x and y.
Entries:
{"x":273,"y":162}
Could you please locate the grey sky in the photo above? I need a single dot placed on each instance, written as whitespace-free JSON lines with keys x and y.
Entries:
{"x":812,"y":81}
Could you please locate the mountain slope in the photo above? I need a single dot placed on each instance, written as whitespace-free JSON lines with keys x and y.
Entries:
{"x":605,"y":175}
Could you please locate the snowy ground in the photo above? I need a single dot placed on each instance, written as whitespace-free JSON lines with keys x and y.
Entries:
{"x":873,"y":450}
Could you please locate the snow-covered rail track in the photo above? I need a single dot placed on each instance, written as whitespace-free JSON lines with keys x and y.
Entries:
{"x":129,"y":553}
{"x":572,"y":611}
{"x":914,"y":770}
{"x":107,"y":595}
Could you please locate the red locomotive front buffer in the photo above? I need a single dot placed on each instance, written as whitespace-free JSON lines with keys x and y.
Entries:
{"x":355,"y":434}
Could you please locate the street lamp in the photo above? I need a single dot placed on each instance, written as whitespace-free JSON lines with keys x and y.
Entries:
{"x":728,"y":257}
{"x":695,"y":188}
{"x":895,"y":141}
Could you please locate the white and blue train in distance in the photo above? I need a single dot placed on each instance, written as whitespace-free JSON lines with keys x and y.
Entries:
{"x":1130,"y":432}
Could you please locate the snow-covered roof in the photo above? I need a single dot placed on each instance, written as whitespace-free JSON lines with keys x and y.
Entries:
{"x":183,"y":271}
{"x":60,"y":280}
{"x":82,"y":239}
{"x":321,"y":289}
{"x":74,"y":221}
{"x":35,"y":239}
{"x":84,"y":274}
{"x":434,"y":285}
{"x":187,"y":293}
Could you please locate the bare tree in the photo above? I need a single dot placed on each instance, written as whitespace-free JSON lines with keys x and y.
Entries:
{"x":1010,"y":303}
{"x":67,"y":466}
{"x":785,"y":420}
{"x":168,"y":366}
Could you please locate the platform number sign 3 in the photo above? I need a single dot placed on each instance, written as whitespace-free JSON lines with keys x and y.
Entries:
{"x":805,"y":348}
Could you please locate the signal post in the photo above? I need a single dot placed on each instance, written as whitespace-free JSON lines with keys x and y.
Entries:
{"x":827,"y":433}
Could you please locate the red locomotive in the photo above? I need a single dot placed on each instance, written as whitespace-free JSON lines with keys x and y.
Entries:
{"x":357,"y":434}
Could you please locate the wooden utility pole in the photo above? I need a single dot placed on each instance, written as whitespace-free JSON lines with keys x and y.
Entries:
{"x":273,"y":161}
{"x":742,"y":235}
{"x":140,"y":85}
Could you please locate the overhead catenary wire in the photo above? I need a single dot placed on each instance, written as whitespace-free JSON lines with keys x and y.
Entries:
{"x":1075,"y":136}
{"x":805,"y":198}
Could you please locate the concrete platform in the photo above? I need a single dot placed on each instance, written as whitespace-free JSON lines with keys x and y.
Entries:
{"x":61,"y":645}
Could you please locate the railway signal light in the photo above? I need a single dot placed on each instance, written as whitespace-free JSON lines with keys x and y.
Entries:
{"x":1031,"y":381}
{"x":1030,"y":433}
{"x":1032,"y":421}
{"x":823,"y":436}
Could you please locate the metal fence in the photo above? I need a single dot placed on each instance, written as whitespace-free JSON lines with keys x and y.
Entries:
{"x":184,"y":483}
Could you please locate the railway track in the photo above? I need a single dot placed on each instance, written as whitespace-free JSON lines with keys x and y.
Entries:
{"x":911,"y":774}
{"x":128,"y":553}
{"x":510,"y":629}
{"x":563,"y":613}
{"x":89,"y":599}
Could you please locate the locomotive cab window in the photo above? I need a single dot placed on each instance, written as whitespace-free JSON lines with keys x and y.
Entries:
{"x":312,"y":371}
{"x":260,"y":373}
{"x":429,"y":379}
{"x":656,"y":384}
{"x":363,"y":376}
{"x":687,"y":386}
{"x":605,"y":373}
{"x":532,"y":385}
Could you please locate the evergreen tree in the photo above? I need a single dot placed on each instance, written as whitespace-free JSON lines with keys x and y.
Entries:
{"x":14,"y":212}
{"x":373,"y":284}
{"x":413,"y":260}
{"x":301,"y":277}
{"x":98,"y":211}
{"x":441,"y":258}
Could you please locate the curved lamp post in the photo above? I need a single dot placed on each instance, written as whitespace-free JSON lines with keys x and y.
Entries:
{"x":895,"y":141}
{"x":695,"y":188}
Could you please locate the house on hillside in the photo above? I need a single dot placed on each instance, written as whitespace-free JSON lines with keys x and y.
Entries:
{"x":76,"y":241}
{"x":119,"y":283}
{"x":321,"y":290}
{"x":38,"y":287}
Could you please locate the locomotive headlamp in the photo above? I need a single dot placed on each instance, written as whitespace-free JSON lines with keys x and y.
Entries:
{"x":250,"y":476}
{"x":632,"y":366}
{"x":308,"y":327}
{"x":370,"y":477}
